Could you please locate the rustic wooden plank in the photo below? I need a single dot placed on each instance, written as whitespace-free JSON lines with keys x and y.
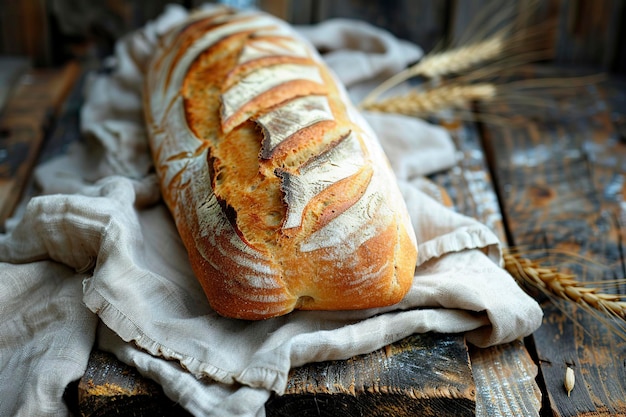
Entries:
{"x":25,"y":30}
{"x":505,"y":374}
{"x":561,"y":180}
{"x":11,"y":68}
{"x":505,"y":380}
{"x":581,"y":33}
{"x":421,"y":21}
{"x":66,"y":125}
{"x":465,"y":16}
{"x":111,"y":388}
{"x":26,"y":117}
{"x":424,"y":374}
{"x":589,"y":33}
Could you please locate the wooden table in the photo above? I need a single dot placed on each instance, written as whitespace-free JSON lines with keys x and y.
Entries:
{"x":554,"y":181}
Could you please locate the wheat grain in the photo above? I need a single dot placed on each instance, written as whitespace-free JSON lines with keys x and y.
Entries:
{"x":570,"y":380}
{"x":563,"y":285}
{"x":431,"y":101}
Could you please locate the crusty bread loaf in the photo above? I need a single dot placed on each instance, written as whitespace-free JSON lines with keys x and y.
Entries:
{"x":279,"y":189}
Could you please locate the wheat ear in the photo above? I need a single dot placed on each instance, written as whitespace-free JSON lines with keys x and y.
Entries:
{"x":459,"y":59}
{"x":442,"y":63}
{"x":428,"y":102}
{"x":563,"y":285}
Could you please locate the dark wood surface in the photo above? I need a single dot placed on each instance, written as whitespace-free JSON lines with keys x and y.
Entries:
{"x":561,"y":179}
{"x":112,"y":388}
{"x":504,"y":375}
{"x":560,"y":182}
{"x":424,"y":374}
{"x":33,"y":104}
{"x":582,"y":33}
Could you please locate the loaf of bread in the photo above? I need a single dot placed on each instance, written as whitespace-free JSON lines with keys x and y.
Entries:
{"x":280,"y":191}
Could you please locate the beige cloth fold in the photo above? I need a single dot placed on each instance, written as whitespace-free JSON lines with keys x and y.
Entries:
{"x":100,"y":237}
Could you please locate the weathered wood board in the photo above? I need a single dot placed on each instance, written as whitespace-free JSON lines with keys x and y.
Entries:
{"x":583,"y":33}
{"x":505,"y":374}
{"x":561,"y":182}
{"x":112,"y":388}
{"x":28,"y":113}
{"x":424,"y":374}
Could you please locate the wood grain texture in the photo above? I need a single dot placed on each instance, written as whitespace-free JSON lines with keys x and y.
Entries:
{"x":27,"y":115}
{"x":561,"y":179}
{"x":424,"y":374}
{"x":111,"y":388}
{"x":505,"y":374}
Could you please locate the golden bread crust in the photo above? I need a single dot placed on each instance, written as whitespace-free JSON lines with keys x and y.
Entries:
{"x":281,"y":193}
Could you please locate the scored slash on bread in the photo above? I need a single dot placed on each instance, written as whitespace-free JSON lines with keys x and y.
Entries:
{"x":279,"y":189}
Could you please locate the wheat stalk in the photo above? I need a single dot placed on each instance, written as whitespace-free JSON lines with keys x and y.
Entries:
{"x":443,"y":63}
{"x":563,"y":286}
{"x":472,"y":69}
{"x":427,"y":101}
{"x":503,"y":45}
{"x":431,"y":101}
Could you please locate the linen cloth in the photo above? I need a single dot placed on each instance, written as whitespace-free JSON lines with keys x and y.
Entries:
{"x":96,"y":258}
